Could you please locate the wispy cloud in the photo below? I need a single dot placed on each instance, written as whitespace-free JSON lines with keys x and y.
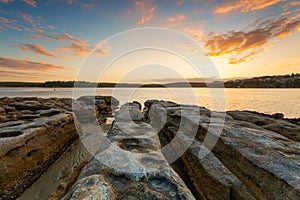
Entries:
{"x":81,"y":48}
{"x":27,"y":18}
{"x":54,"y":36}
{"x":87,"y":4}
{"x":244,"y":6}
{"x":179,"y":2}
{"x":37,"y":49}
{"x":22,"y":22}
{"x":295,"y":3}
{"x":195,"y":32}
{"x":34,"y":27}
{"x":6,"y":1}
{"x":179,"y":17}
{"x":6,"y":23}
{"x":17,"y":75}
{"x":241,"y":46}
{"x":13,"y":64}
{"x":147,"y":9}
{"x":31,"y":2}
{"x":70,"y":1}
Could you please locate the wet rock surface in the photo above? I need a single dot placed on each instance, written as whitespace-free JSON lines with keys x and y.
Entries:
{"x":34,"y":132}
{"x":254,"y":157}
{"x":129,"y":164}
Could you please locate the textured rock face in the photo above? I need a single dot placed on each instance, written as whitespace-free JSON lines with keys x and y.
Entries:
{"x":278,"y":125}
{"x":255,"y":156}
{"x":33,"y":133}
{"x":129,"y":164}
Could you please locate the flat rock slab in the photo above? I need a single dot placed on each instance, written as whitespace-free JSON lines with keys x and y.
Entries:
{"x":129,"y":165}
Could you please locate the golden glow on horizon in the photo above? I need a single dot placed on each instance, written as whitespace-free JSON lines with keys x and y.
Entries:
{"x":35,"y":50}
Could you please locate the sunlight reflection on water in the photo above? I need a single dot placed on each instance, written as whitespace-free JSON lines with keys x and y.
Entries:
{"x":269,"y":101}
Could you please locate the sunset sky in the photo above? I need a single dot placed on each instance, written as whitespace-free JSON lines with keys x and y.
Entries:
{"x":49,"y":40}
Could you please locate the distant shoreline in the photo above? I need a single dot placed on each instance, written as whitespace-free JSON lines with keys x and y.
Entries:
{"x":282,"y":81}
{"x":153,"y":87}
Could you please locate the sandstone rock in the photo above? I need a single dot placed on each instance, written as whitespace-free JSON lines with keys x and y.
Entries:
{"x":64,"y":187}
{"x":50,"y":112}
{"x":3,"y":119}
{"x":89,"y":107}
{"x":278,"y":125}
{"x":209,"y":176}
{"x":265,"y":162}
{"x":35,"y":132}
{"x":129,"y":112}
{"x":2,"y":111}
{"x":26,"y":152}
{"x":129,"y":165}
{"x":92,"y":187}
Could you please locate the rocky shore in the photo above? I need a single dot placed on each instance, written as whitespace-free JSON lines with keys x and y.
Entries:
{"x":255,"y":156}
{"x":34,"y":132}
{"x":161,"y":152}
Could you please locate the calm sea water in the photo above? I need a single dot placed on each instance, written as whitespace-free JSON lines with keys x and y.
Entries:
{"x":270,"y":101}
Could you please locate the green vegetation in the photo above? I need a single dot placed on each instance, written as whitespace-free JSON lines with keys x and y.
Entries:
{"x":283,"y":81}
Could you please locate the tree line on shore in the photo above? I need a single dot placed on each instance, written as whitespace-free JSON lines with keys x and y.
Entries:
{"x":282,"y":81}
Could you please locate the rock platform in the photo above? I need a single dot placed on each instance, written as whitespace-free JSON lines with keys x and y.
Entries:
{"x":34,"y":132}
{"x":166,"y":151}
{"x":255,"y":156}
{"x":129,"y":165}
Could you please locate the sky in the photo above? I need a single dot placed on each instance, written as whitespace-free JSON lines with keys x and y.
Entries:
{"x":84,"y":40}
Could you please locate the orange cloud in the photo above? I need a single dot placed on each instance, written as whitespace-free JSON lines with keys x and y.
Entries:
{"x":64,"y":37}
{"x":295,"y":3}
{"x":70,"y":1}
{"x":147,"y":9}
{"x":81,"y":48}
{"x":83,"y":4}
{"x":245,"y":58}
{"x":55,"y":36}
{"x":25,"y":22}
{"x":241,"y":46}
{"x":12,"y":64}
{"x":24,"y":76}
{"x":6,"y":1}
{"x":195,"y":32}
{"x":178,"y":18}
{"x":27,"y":18}
{"x":34,"y":26}
{"x":31,"y":2}
{"x":245,"y":6}
{"x":6,"y":23}
{"x":37,"y":49}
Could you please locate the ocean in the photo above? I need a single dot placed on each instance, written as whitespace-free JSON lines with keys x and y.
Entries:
{"x":267,"y":100}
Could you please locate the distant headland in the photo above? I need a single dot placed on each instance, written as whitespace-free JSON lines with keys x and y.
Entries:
{"x":279,"y":81}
